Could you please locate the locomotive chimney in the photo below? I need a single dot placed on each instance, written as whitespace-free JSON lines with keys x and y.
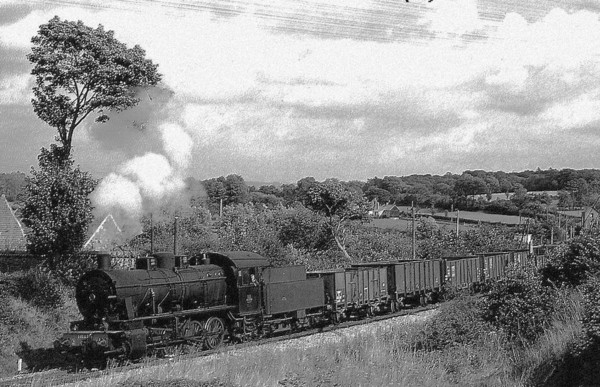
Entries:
{"x":103,"y":260}
{"x":165,"y":260}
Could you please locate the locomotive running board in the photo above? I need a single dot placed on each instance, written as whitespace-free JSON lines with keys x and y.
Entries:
{"x":182,"y":313}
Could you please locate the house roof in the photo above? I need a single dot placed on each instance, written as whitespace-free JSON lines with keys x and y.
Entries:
{"x":387,"y":207}
{"x":12,"y":234}
{"x":105,"y":235}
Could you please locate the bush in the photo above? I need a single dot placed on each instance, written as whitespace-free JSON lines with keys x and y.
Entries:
{"x":572,"y":263}
{"x":591,"y":315}
{"x":458,"y":322}
{"x":519,"y":306}
{"x":40,"y":289}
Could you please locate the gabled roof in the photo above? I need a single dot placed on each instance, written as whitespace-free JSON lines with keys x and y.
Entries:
{"x":12,"y":235}
{"x":388,"y":207}
{"x":105,"y":236}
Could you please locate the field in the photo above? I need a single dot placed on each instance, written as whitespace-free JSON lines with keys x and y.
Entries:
{"x":405,"y":224}
{"x":448,"y":221}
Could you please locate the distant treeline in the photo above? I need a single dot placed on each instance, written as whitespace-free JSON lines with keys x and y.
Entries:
{"x":469,"y":190}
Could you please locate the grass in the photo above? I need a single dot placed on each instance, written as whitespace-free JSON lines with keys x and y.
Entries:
{"x":22,"y":322}
{"x":376,"y":356}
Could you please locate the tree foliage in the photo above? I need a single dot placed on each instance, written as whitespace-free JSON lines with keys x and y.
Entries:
{"x":519,"y":306}
{"x":574,"y":262}
{"x":339,"y":204}
{"x":56,"y":206}
{"x":80,"y":70}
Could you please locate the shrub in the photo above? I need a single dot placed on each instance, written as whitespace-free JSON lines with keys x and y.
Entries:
{"x":458,"y":322}
{"x":571,"y":263}
{"x":519,"y":306}
{"x":591,"y":315}
{"x":41,"y":289}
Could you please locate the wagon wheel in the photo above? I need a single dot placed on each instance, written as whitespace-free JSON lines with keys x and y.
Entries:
{"x":215,"y":331}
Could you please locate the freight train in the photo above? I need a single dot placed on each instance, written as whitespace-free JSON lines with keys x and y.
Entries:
{"x":237,"y":296}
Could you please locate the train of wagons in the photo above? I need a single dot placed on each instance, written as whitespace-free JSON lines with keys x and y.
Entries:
{"x":237,"y":296}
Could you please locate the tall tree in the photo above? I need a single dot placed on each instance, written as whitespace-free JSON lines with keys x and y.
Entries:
{"x":56,"y":206}
{"x":80,"y":70}
{"x":339,"y":203}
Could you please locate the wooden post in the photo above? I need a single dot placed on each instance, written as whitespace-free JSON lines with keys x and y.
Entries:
{"x":151,"y":235}
{"x":457,"y":222}
{"x":175,"y":236}
{"x":414,"y":233}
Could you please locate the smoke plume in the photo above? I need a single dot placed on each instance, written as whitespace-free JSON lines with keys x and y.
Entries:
{"x":149,"y":181}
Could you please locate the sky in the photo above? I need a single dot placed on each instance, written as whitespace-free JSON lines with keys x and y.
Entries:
{"x":277,"y":91}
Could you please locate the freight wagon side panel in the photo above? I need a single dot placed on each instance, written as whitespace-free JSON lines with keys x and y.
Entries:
{"x":432,"y":274}
{"x":292,"y":296}
{"x":405,"y":274}
{"x":334,"y":283}
{"x":351,"y":281}
{"x":400,"y":278}
{"x":520,"y":259}
{"x":462,"y":272}
{"x":383,"y":282}
{"x":419,"y":270}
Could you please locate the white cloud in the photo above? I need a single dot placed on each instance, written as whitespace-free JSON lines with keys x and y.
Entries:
{"x":453,"y":17}
{"x":578,"y":112}
{"x":254,"y":93}
{"x":16,"y":89}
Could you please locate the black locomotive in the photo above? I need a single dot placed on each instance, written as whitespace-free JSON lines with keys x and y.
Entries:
{"x":170,"y":300}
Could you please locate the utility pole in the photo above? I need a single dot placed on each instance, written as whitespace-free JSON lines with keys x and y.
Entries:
{"x":414,"y":234}
{"x":151,"y":234}
{"x":175,"y":235}
{"x":457,"y":222}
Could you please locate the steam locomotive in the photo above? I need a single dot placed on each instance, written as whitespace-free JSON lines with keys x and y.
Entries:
{"x":168,"y":300}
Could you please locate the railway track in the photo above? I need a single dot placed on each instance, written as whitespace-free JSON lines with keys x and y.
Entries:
{"x":57,"y":377}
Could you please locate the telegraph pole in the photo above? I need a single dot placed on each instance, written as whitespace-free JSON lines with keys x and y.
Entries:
{"x":414,"y":234}
{"x":457,"y":222}
{"x":175,"y":236}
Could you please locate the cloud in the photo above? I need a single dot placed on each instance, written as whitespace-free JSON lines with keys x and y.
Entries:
{"x":240,"y":93}
{"x":576,"y":113}
{"x":454,"y":18}
{"x":16,"y":89}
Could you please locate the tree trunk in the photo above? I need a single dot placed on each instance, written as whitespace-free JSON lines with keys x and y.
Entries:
{"x":341,"y":246}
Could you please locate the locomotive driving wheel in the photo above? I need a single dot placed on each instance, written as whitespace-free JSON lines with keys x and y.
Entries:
{"x":215,"y":332}
{"x":193,"y":328}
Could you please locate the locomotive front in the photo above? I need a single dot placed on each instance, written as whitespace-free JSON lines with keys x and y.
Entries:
{"x":125,"y":311}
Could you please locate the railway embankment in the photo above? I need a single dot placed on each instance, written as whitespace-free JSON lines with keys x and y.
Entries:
{"x":321,"y":359}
